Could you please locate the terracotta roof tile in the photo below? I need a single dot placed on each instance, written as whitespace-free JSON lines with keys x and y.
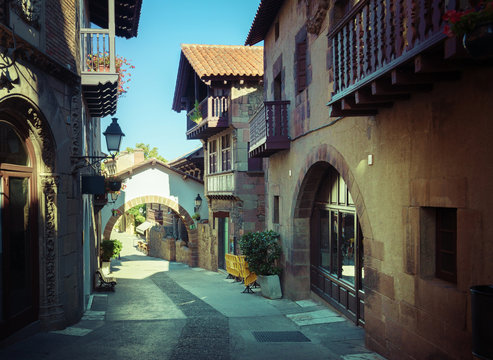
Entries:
{"x":225,"y":60}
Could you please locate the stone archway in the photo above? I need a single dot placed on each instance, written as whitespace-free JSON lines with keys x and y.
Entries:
{"x":310,"y":176}
{"x":177,"y":208}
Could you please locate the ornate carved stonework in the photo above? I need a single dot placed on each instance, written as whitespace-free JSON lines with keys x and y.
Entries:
{"x":50,"y":187}
{"x":28,"y":11}
{"x":75,"y":121}
{"x":41,"y":131}
{"x":315,"y":18}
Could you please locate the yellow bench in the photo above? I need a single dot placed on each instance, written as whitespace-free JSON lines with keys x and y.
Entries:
{"x":249,"y":277}
{"x":231,"y":267}
{"x":237,"y":268}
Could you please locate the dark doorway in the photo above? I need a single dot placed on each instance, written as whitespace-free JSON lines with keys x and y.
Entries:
{"x":222,"y":243}
{"x":18,"y":243}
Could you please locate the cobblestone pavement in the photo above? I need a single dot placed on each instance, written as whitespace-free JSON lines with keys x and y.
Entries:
{"x":166,"y":310}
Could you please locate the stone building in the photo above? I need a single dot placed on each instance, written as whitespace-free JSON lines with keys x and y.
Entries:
{"x":51,"y":102}
{"x":220,"y":87}
{"x":380,"y":186}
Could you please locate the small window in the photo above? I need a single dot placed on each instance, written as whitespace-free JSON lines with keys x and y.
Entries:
{"x":212,"y":157}
{"x":226,"y":152}
{"x":446,"y":244}
{"x":275,"y":215}
{"x":276,"y":30}
{"x":301,"y":66}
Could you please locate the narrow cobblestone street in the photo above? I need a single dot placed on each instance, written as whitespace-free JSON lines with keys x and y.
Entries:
{"x":163,"y":310}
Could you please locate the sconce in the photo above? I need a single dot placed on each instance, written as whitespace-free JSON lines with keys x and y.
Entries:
{"x":113,"y":135}
{"x":198,"y":203}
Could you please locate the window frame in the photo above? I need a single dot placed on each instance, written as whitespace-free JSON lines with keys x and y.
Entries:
{"x":440,"y":251}
{"x":212,"y":150}
{"x":226,"y":160}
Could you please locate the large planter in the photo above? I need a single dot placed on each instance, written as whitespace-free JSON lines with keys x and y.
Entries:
{"x":479,"y":42}
{"x":106,"y":266}
{"x":270,"y":286}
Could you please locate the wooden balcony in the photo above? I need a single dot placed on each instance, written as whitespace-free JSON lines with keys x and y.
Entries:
{"x":98,"y":71}
{"x":383,"y":51}
{"x":222,"y":184}
{"x":215,"y":115}
{"x":269,"y":129}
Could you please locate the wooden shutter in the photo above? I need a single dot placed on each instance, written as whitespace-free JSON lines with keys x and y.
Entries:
{"x":301,"y":66}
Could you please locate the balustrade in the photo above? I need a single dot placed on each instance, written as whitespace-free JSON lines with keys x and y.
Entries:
{"x":221,"y":183}
{"x":269,"y":127}
{"x":212,"y":108}
{"x":378,"y":35}
{"x":97,"y":51}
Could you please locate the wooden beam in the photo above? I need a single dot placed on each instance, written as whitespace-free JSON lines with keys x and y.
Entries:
{"x":364,"y":96}
{"x":382,"y":87}
{"x":337,"y":111}
{"x":432,"y":64}
{"x":408,"y":78}
{"x":349,"y":103}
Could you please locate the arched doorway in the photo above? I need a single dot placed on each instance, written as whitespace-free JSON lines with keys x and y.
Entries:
{"x":336,"y":246}
{"x":19,"y":279}
{"x":329,"y":211}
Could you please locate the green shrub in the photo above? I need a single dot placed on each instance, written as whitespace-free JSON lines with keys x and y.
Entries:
{"x":110,"y":249}
{"x":262,"y":252}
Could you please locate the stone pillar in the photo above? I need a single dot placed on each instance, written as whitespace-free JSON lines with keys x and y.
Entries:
{"x":51,"y":312}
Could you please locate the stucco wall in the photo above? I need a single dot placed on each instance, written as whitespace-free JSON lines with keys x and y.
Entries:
{"x":430,"y":151}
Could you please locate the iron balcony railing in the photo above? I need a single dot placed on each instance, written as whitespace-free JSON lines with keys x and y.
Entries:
{"x":269,"y":130}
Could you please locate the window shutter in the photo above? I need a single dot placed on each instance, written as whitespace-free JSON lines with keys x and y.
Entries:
{"x":301,"y":66}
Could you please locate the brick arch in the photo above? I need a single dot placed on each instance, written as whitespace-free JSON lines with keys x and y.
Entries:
{"x":305,"y":191}
{"x":297,"y":263}
{"x":177,"y":208}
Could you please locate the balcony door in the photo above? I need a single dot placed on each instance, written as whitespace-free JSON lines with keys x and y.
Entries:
{"x":18,"y":244}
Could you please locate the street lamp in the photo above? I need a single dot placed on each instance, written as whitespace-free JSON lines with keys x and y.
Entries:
{"x":113,"y":135}
{"x":198,"y":203}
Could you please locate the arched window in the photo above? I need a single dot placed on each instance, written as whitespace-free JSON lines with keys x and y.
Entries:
{"x":337,"y":259}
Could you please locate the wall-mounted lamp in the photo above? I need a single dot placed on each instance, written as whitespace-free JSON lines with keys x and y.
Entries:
{"x":198,"y":203}
{"x":113,"y":135}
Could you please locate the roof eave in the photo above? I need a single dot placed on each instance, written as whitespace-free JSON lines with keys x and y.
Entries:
{"x":266,"y":13}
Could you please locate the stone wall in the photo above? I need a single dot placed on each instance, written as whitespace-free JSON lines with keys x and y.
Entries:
{"x":161,"y":246}
{"x":430,"y":151}
{"x":207,"y":247}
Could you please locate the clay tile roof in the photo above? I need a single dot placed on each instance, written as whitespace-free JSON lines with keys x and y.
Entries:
{"x":225,"y":60}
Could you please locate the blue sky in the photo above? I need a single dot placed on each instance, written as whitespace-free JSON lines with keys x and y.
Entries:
{"x":145,"y":113}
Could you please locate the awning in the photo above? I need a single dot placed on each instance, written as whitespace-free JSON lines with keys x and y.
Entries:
{"x":143,"y":227}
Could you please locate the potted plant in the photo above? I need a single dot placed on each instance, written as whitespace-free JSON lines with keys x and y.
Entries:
{"x":101,"y":63}
{"x":474,"y":26}
{"x":109,"y":249}
{"x":113,"y":185}
{"x":196,"y":216}
{"x":262,"y":253}
{"x":196,"y":115}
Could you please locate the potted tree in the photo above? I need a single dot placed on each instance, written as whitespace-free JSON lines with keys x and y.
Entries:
{"x":262,"y":253}
{"x":109,"y":249}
